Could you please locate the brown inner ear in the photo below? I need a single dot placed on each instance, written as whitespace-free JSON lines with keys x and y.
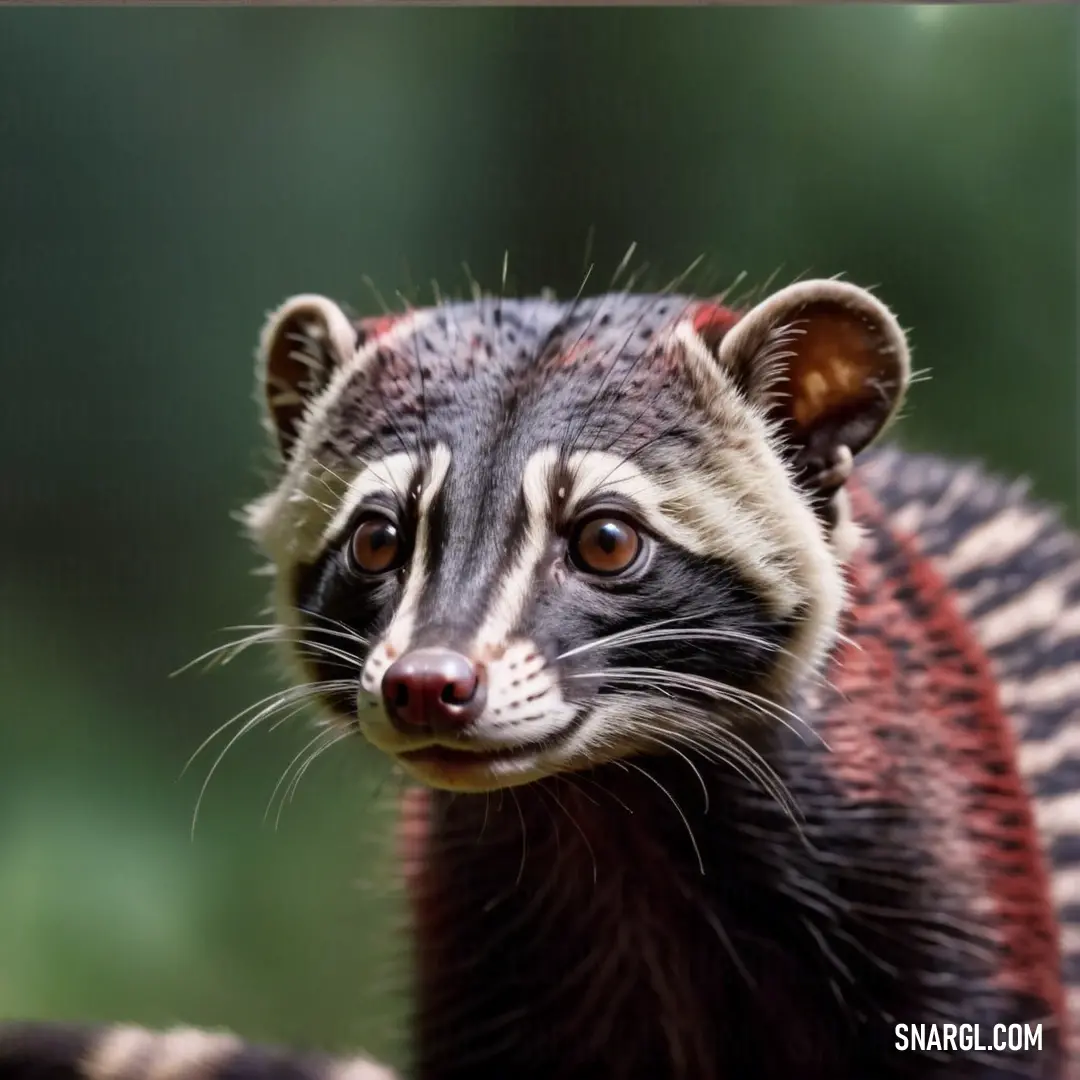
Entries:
{"x":840,"y":379}
{"x":298,"y":365}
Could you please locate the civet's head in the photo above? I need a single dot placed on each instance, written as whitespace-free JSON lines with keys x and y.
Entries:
{"x":520,"y":537}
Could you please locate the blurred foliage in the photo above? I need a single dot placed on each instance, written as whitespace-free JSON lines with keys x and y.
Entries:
{"x":167,"y":175}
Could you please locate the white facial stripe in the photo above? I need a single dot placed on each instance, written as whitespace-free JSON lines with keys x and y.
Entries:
{"x":400,"y":632}
{"x":514,"y":589}
{"x":597,"y":471}
{"x":392,"y":473}
{"x":695,"y":512}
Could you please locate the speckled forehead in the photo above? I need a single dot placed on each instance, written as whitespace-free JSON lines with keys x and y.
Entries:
{"x":608,"y":362}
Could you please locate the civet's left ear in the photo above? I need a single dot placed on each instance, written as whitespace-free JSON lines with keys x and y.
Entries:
{"x":829,"y":362}
{"x":301,"y":346}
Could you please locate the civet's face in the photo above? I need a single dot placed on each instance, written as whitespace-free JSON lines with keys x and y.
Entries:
{"x":515,"y":538}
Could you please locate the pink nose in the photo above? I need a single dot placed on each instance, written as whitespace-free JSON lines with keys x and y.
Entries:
{"x":433,"y":690}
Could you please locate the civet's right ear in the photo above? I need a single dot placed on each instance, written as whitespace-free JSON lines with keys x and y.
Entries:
{"x":829,"y":363}
{"x":301,"y":345}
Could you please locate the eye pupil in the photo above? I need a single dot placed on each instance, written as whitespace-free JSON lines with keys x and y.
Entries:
{"x":605,"y":545}
{"x":608,"y":538}
{"x":381,"y":536}
{"x":376,"y":545}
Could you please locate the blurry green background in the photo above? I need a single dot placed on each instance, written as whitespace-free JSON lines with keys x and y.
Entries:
{"x":166,"y":176}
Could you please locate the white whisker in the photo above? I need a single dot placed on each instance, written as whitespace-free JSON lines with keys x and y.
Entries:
{"x":678,"y":680}
{"x":313,"y":749}
{"x":616,"y":638}
{"x":661,"y":631}
{"x":678,"y":809}
{"x":283,"y":699}
{"x":273,"y":634}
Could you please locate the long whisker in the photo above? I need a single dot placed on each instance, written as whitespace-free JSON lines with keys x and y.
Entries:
{"x":524,"y":840}
{"x":691,"y":632}
{"x":322,"y":743}
{"x":284,"y":629}
{"x":319,"y":736}
{"x":322,"y":649}
{"x":717,"y":743}
{"x":659,"y":631}
{"x":741,"y":757}
{"x":679,"y":810}
{"x":349,"y":632}
{"x":693,"y":768}
{"x":271,"y":634}
{"x":284,"y":699}
{"x":339,"y":736}
{"x":231,"y":649}
{"x":620,"y":635}
{"x":581,"y":832}
{"x":710,"y":688}
{"x":275,"y":696}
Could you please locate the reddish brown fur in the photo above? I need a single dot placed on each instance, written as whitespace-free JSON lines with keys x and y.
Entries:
{"x":378,"y":325}
{"x":961,"y":694}
{"x":712,"y":321}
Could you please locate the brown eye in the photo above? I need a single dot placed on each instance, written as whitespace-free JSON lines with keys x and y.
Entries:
{"x":605,"y":545}
{"x":376,"y":545}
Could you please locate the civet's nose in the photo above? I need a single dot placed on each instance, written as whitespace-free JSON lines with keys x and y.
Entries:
{"x":434,"y":690}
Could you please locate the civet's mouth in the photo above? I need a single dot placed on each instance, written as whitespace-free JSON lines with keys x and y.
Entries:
{"x":449,"y":757}
{"x":470,"y":765}
{"x":457,"y":769}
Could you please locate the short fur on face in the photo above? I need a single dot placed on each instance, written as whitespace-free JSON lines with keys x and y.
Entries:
{"x":489,"y":430}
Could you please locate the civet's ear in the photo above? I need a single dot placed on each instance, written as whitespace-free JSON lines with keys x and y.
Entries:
{"x":301,"y":345}
{"x":829,"y":362}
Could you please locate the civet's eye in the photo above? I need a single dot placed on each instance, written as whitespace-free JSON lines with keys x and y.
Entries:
{"x":376,"y":546}
{"x":605,"y":545}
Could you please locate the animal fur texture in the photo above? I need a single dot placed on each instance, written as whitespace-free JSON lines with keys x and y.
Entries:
{"x":739,"y":743}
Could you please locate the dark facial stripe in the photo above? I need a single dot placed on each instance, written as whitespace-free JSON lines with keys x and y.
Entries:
{"x":479,"y":532}
{"x":469,"y":561}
